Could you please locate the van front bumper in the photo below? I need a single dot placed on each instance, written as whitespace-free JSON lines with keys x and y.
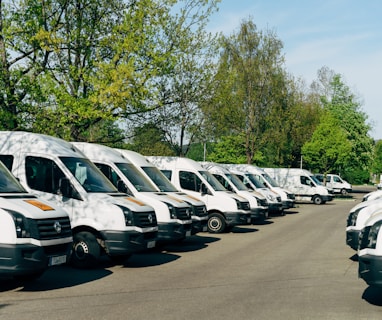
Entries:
{"x":237,"y":218}
{"x":287,"y":204}
{"x":119,"y":243}
{"x":29,"y":259}
{"x":170,"y":232}
{"x":199,"y":225}
{"x":275,"y":207}
{"x":370,"y":269}
{"x":259,"y":213}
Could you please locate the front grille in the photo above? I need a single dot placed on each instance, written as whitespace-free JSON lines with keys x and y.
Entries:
{"x":364,"y":238}
{"x":183,"y":213}
{"x":46,"y":229}
{"x":200,"y":211}
{"x":145,"y":219}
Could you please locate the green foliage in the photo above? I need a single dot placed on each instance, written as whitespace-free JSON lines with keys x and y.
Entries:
{"x":329,"y":148}
{"x":377,"y":159}
{"x":231,"y":149}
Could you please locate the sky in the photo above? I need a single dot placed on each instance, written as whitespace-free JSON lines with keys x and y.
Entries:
{"x":343,"y":35}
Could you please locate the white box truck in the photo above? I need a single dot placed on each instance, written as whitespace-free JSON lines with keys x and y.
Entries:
{"x":173,"y":214}
{"x":103,"y":220}
{"x":34,"y":234}
{"x":199,"y":210}
{"x":302,"y":183}
{"x":334,"y":182}
{"x":257,"y":202}
{"x":225,"y":209}
{"x":263,"y":180}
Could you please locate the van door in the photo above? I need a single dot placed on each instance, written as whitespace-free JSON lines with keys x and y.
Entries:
{"x":44,"y":177}
{"x":193,"y":184}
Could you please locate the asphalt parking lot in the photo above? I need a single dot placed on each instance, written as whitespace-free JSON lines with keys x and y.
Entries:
{"x":295,"y":266}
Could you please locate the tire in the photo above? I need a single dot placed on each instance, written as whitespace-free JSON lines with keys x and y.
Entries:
{"x":317,"y":200}
{"x":216,"y":223}
{"x":344,"y":192}
{"x":86,"y":250}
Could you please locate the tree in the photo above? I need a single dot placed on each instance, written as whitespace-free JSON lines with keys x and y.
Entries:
{"x":328,"y":150}
{"x":377,"y":159}
{"x":249,"y":74}
{"x":343,"y":105}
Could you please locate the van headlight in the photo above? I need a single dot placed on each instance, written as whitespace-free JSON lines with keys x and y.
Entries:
{"x":171,"y":210}
{"x":271,"y":198}
{"x":22,"y":226}
{"x":127,"y":214}
{"x":373,"y":235}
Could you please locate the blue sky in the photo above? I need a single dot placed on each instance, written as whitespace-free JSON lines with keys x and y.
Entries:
{"x":344,"y":35}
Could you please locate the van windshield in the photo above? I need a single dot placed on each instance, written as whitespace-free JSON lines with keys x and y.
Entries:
{"x":8,"y":183}
{"x":88,"y":175}
{"x":212,"y":181}
{"x":236,"y":181}
{"x":271,"y":181}
{"x":159,"y":179}
{"x":255,"y":179}
{"x":140,"y":182}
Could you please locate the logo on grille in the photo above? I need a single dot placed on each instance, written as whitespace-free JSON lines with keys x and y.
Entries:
{"x":57,"y":226}
{"x":150,"y":217}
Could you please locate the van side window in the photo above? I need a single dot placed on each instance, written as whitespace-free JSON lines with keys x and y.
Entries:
{"x":42,"y":174}
{"x":305,"y":180}
{"x":189,"y":181}
{"x":7,"y":160}
{"x":336,"y":179}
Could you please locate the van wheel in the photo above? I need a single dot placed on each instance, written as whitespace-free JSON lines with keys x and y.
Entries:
{"x":86,"y":250}
{"x":216,"y":223}
{"x":344,"y":192}
{"x":317,"y":200}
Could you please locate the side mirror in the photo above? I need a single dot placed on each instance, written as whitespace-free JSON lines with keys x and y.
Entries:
{"x":122,"y":187}
{"x":203,"y":189}
{"x":65,"y":188}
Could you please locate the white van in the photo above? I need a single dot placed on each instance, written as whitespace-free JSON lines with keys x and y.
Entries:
{"x":263,"y":180}
{"x":335,"y":182}
{"x":34,"y":234}
{"x":103,"y":220}
{"x":252,"y":181}
{"x":257,"y":202}
{"x":357,"y":218}
{"x":199,"y":209}
{"x":372,"y":195}
{"x":302,"y":183}
{"x":370,"y":251}
{"x":173,"y":215}
{"x":225,"y":209}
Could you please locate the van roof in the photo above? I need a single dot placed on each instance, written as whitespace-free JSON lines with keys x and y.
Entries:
{"x":100,"y":152}
{"x":136,"y":158}
{"x":175,"y":162}
{"x":10,"y":141}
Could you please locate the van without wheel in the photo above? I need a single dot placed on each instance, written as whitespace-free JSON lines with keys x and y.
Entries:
{"x":302,"y":183}
{"x":225,"y":209}
{"x":265,"y":181}
{"x":252,"y":181}
{"x":199,"y":210}
{"x":34,"y":234}
{"x":257,"y":202}
{"x":103,"y":220}
{"x":173,"y":215}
